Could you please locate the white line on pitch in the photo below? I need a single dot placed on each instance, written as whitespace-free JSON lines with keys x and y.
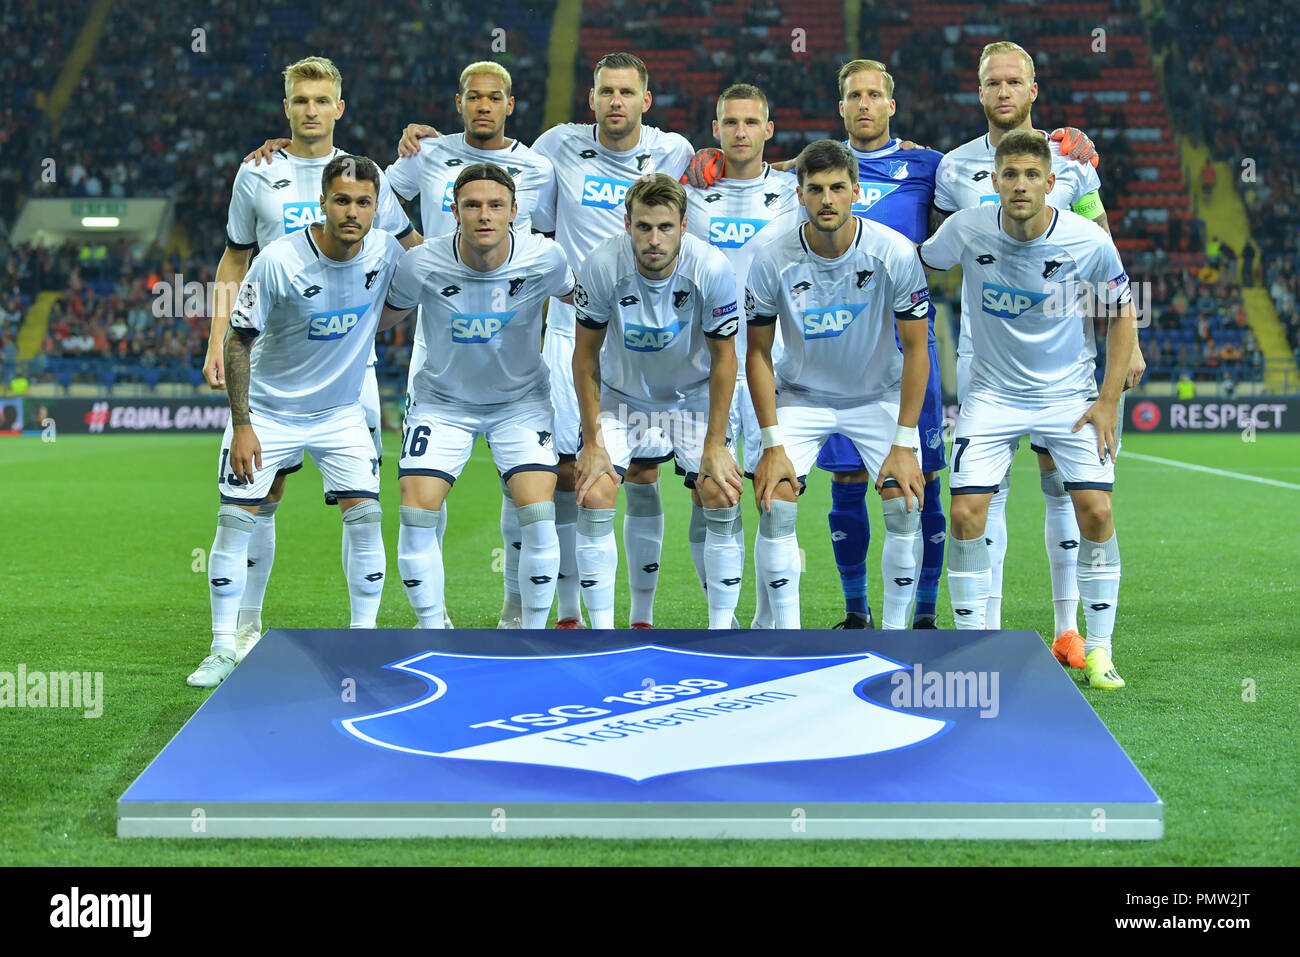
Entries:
{"x":1202,"y":468}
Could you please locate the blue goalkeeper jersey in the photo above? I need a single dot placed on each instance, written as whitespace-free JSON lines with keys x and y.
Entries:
{"x":896,"y":189}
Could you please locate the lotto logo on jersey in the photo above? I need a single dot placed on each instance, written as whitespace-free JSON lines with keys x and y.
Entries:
{"x":733,"y":233}
{"x":1007,"y":302}
{"x":604,"y":193}
{"x":333,"y":325}
{"x":651,"y":339}
{"x":871,"y":193}
{"x":449,"y":196}
{"x":300,"y":215}
{"x":478,"y":327}
{"x":830,"y":321}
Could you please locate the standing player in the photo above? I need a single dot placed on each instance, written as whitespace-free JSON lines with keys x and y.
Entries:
{"x":839,"y":285}
{"x":595,"y":164}
{"x":1028,"y":265}
{"x":1007,"y":91}
{"x":729,"y":215}
{"x":295,"y":360}
{"x":268,"y":202}
{"x":895,"y":188}
{"x":484,"y":102}
{"x":480,"y":290}
{"x":670,"y":301}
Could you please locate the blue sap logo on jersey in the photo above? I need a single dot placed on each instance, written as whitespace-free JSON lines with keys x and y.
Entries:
{"x":333,"y":325}
{"x":990,"y":199}
{"x":300,"y":215}
{"x":604,"y":193}
{"x":593,"y":713}
{"x":478,"y":327}
{"x":871,"y":193}
{"x":1007,"y":302}
{"x":649,"y":338}
{"x":729,"y":233}
{"x":449,"y":196}
{"x":830,"y":321}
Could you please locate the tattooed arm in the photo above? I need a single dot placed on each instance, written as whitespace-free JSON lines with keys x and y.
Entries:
{"x":245,"y":450}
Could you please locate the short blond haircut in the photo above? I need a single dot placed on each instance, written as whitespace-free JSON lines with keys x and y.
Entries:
{"x":1000,"y":48}
{"x":484,"y":67}
{"x":862,"y":66}
{"x":313,"y":68}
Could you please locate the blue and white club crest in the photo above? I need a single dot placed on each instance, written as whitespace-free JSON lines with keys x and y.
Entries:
{"x":640,"y":713}
{"x":898,"y":169}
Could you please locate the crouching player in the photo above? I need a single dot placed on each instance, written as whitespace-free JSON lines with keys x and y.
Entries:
{"x":481,"y":291}
{"x":1032,"y":372}
{"x":295,"y":360}
{"x":839,"y":286}
{"x":669,"y":301}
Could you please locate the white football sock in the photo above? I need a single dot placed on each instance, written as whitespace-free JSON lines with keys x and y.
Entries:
{"x":261,"y":558}
{"x":968,"y":581}
{"x":695,"y":534}
{"x":597,"y":554}
{"x":568,"y":603}
{"x":227,"y":574}
{"x":419,"y":562}
{"x":513,"y":544}
{"x":539,"y":562}
{"x":643,"y":543}
{"x":898,"y":561}
{"x":1099,"y":572}
{"x":1061,"y":538}
{"x":724,"y":563}
{"x":995,"y":531}
{"x":776,"y":561}
{"x":367,"y":563}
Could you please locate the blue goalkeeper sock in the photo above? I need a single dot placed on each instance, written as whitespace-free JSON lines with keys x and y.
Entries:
{"x":934,"y":533}
{"x":850,"y":536}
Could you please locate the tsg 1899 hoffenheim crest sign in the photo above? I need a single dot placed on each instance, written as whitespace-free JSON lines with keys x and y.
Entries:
{"x":640,"y":713}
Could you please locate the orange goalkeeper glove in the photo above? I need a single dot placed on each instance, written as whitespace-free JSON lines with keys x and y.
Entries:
{"x":705,"y":169}
{"x":1076,"y":145}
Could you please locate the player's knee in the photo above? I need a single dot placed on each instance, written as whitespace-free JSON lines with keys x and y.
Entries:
{"x":785,"y":492}
{"x":641,"y":474}
{"x":712,"y":495}
{"x":602,"y":495}
{"x":1093,"y":512}
{"x":966,"y":516}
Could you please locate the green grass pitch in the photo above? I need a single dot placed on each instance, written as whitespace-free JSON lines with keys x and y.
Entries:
{"x":99,"y":574}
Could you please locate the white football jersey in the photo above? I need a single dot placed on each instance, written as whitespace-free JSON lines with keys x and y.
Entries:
{"x":1031,"y":326}
{"x":837,"y":315}
{"x":731,"y":213}
{"x":483,"y":329}
{"x":590,"y":182}
{"x":431,"y":174}
{"x":655,"y":329}
{"x":965,"y":179}
{"x":316,"y":320}
{"x":270,"y":201}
